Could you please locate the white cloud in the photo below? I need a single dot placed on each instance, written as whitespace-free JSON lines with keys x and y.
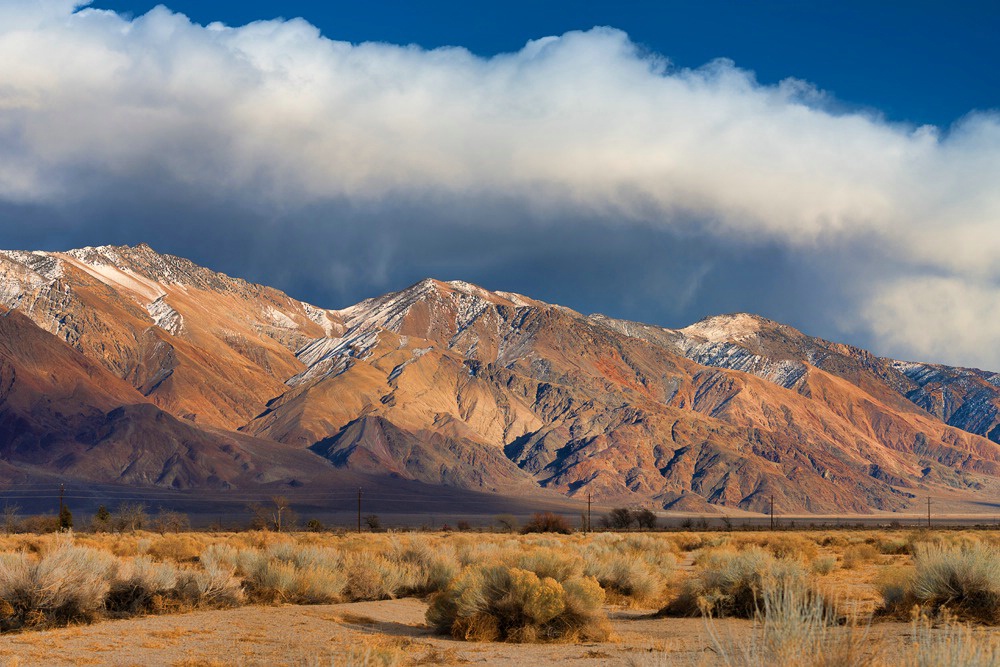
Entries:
{"x":274,"y":113}
{"x":938,"y":318}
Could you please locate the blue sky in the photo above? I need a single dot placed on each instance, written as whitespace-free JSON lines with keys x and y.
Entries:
{"x":833,"y":166}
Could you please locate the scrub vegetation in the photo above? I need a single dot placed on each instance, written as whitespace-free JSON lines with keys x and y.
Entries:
{"x":811,"y":598}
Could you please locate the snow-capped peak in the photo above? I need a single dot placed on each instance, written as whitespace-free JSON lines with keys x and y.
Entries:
{"x":731,"y":327}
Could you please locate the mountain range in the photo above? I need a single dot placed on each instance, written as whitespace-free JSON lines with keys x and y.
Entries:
{"x":121,"y":365}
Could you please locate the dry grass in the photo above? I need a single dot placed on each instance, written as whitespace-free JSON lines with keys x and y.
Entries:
{"x":535,"y":587}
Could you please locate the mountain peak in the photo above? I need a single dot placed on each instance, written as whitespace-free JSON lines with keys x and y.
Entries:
{"x":731,"y":326}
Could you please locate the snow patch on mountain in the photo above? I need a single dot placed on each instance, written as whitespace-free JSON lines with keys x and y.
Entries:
{"x":279,"y":319}
{"x":106,"y":265}
{"x":322,"y":317}
{"x":332,"y":356}
{"x":165,"y":316}
{"x":735,"y":327}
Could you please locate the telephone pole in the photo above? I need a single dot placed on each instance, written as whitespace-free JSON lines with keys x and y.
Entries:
{"x":588,"y":512}
{"x":928,"y":512}
{"x":359,"y":509}
{"x":62,"y":490}
{"x":772,"y":512}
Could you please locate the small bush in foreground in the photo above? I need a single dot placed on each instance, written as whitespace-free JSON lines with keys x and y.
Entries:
{"x":141,"y":586}
{"x":734,"y":583}
{"x":964,"y":581}
{"x":502,"y":603}
{"x":69,"y":583}
{"x":794,"y":629}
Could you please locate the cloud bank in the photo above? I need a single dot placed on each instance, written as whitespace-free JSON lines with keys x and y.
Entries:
{"x":145,"y":126}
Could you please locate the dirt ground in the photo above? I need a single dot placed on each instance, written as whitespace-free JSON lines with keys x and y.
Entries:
{"x":347,"y":634}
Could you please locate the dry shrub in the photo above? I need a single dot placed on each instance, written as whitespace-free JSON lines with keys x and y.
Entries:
{"x":141,"y":586}
{"x":501,"y":603}
{"x":179,"y":548}
{"x":786,"y":545}
{"x":694,"y":541}
{"x":283,"y":572}
{"x":68,"y":583}
{"x":547,"y":562}
{"x":824,"y":564}
{"x":893,"y":545}
{"x":794,"y":628}
{"x":634,"y":569}
{"x":431,"y":567}
{"x":374,"y":577}
{"x":951,"y":644}
{"x":213,"y":586}
{"x":732,"y":583}
{"x":859,"y":554}
{"x":962,"y":581}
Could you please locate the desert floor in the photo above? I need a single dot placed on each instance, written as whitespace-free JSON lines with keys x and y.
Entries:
{"x":345,"y":634}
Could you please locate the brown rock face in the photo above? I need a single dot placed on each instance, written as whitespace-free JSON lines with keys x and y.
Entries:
{"x":450,"y":384}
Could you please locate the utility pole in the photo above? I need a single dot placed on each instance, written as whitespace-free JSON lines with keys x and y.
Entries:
{"x":772,"y":512}
{"x":588,"y":511}
{"x":928,"y":512}
{"x":62,"y":490}
{"x":359,"y":509}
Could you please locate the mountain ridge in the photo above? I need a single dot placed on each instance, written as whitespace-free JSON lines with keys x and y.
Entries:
{"x":447,"y":383}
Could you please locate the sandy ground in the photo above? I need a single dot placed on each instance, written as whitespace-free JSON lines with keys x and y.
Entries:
{"x":344,"y":633}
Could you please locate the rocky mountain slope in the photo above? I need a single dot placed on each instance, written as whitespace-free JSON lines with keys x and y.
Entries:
{"x":445,"y":383}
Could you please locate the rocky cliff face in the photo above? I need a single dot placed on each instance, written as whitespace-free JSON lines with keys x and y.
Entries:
{"x":447,"y":383}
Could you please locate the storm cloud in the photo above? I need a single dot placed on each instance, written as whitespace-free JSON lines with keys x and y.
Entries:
{"x":581,"y":169}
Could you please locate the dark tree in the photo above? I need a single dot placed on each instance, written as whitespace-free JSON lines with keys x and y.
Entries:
{"x":645,"y":519}
{"x":620,"y":518}
{"x":547,"y":522}
{"x":65,"y":518}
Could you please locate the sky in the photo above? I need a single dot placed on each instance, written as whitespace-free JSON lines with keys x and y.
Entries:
{"x":833,"y":166}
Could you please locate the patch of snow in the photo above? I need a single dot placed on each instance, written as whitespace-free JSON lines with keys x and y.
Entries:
{"x":320,"y":316}
{"x":518,"y":300}
{"x":279,"y":318}
{"x":165,"y":316}
{"x":331,"y":356}
{"x":718,"y":328}
{"x":112,"y":275}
